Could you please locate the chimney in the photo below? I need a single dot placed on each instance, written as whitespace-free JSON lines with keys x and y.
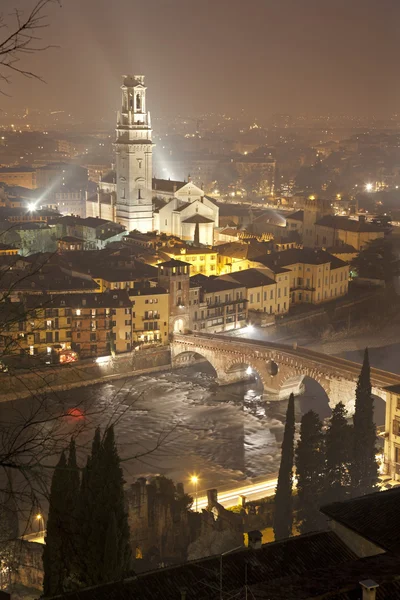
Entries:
{"x":212,"y":497}
{"x":255,"y":539}
{"x":369,"y":588}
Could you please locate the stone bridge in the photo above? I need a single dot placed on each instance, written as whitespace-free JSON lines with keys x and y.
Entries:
{"x":280,"y":368}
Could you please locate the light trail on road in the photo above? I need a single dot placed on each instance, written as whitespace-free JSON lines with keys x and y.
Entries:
{"x":230,"y":498}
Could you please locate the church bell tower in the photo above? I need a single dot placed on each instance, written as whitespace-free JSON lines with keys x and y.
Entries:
{"x":134,"y":153}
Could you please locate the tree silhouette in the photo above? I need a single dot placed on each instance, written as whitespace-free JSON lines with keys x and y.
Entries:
{"x":283,"y":517}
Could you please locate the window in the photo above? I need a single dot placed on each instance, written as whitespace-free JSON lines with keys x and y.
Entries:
{"x":258,"y":296}
{"x":398,"y":402}
{"x":396,"y":426}
{"x":127,"y":311}
{"x":93,"y":349}
{"x":271,"y":295}
{"x":285,"y":291}
{"x":251,"y":298}
{"x":279,"y":292}
{"x":92,"y":337}
{"x":265,"y":296}
{"x":284,"y":306}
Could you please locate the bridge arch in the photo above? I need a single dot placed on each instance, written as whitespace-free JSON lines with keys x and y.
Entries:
{"x":237,"y":370}
{"x":186,"y":358}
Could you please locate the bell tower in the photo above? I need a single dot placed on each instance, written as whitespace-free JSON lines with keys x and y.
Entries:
{"x":134,"y":154}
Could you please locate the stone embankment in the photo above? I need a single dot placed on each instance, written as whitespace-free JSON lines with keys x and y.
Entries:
{"x":22,"y":383}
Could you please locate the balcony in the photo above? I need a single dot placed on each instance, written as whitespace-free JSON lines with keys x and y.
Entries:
{"x":153,"y":318}
{"x":302,"y":287}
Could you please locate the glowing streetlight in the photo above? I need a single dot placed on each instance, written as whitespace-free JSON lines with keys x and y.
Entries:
{"x":39,"y":518}
{"x":195,"y":480}
{"x":369,"y":187}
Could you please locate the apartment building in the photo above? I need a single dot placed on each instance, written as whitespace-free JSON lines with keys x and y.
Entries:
{"x":216,"y":305}
{"x":201,"y":260}
{"x":315,"y":275}
{"x":264,"y":292}
{"x":91,"y":324}
{"x":239,"y":256}
{"x":150,"y":314}
{"x":392,"y":432}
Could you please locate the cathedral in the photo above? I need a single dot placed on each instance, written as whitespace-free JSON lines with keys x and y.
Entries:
{"x":129,"y":194}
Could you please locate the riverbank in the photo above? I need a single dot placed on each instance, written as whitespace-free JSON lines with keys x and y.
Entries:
{"x":19,"y":384}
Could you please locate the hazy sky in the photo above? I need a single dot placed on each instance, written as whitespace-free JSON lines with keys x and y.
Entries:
{"x":265,"y":56}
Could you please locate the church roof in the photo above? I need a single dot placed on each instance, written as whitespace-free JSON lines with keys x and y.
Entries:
{"x":167,"y":185}
{"x":182,"y":206}
{"x":198,"y":219}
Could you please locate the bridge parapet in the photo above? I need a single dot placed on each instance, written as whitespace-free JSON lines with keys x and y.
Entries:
{"x":281,"y":368}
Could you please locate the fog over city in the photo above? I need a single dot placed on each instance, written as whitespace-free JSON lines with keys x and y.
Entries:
{"x":199,"y":300}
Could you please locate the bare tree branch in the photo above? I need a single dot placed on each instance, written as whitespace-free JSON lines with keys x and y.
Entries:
{"x":22,"y":37}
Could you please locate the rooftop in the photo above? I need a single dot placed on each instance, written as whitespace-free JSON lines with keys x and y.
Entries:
{"x":251,"y":278}
{"x":147,"y":291}
{"x":360,"y":515}
{"x":198,"y":219}
{"x":174,"y":263}
{"x":307,"y":256}
{"x":211,"y":285}
{"x":349,"y":224}
{"x":167,"y":185}
{"x":109,"y":299}
{"x":296,"y":216}
{"x":272,"y":564}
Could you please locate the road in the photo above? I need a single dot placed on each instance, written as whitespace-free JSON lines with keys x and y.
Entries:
{"x":229,"y":498}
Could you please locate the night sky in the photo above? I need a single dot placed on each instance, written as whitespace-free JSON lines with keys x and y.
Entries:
{"x":266,"y":56}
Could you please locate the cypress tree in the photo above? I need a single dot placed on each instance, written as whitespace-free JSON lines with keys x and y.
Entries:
{"x":54,"y":559}
{"x":338,"y":448}
{"x":111,"y":550}
{"x":102,"y":499}
{"x":364,"y":470}
{"x":72,"y":524}
{"x":283,"y":498}
{"x":115,"y":499}
{"x":310,"y":465}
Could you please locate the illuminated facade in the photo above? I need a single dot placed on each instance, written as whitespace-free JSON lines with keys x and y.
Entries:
{"x":134,"y":153}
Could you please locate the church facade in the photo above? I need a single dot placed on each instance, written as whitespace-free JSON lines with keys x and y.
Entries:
{"x":129,"y":195}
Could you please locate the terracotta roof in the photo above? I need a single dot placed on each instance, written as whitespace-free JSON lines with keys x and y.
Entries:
{"x":296,"y":216}
{"x":198,"y":219}
{"x":349,"y":224}
{"x":167,"y":185}
{"x":174,"y":263}
{"x":251,"y":278}
{"x":273,"y":562}
{"x":376,"y":517}
{"x":307,"y":256}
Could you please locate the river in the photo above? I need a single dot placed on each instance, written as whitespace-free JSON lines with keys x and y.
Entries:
{"x":177,"y":423}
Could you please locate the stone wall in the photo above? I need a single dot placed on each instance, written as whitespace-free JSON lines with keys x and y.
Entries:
{"x":22,"y":383}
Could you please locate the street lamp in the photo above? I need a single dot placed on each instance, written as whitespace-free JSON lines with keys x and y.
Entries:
{"x":39,"y":518}
{"x":195,"y":480}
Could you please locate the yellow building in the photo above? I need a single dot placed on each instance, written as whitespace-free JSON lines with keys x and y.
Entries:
{"x":315,"y":275}
{"x":150,"y":314}
{"x":239,"y":256}
{"x":202,"y":260}
{"x":333,"y":231}
{"x":392,"y":432}
{"x":264,"y":293}
{"x":18,"y":176}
